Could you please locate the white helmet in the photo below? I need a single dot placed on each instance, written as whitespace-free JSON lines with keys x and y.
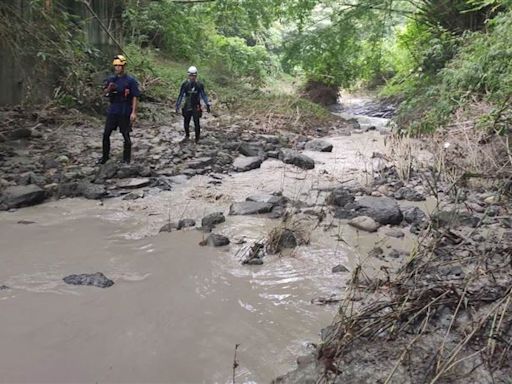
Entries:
{"x":192,"y":71}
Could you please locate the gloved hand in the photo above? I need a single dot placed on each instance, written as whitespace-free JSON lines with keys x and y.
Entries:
{"x":208,"y":109}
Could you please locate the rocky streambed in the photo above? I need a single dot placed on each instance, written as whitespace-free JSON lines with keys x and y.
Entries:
{"x":247,"y":238}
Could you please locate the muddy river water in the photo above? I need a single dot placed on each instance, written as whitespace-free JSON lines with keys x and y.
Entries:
{"x":176,"y":309}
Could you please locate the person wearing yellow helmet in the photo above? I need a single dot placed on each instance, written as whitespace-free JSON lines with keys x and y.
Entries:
{"x":123,"y":92}
{"x":192,"y":91}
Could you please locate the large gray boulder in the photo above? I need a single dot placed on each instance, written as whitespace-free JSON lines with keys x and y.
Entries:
{"x":22,"y":196}
{"x":244,"y":164}
{"x":249,"y":208}
{"x":318,"y":145}
{"x":289,"y":156}
{"x":382,"y":209}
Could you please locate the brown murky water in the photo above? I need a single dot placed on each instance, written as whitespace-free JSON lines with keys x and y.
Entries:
{"x":176,"y":310}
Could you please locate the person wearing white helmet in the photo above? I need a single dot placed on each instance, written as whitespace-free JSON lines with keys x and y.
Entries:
{"x":192,"y":92}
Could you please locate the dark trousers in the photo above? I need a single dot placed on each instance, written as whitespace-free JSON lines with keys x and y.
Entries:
{"x":188,"y":115}
{"x":123,"y":123}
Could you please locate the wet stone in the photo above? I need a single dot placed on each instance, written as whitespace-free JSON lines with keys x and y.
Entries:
{"x":393,"y":232}
{"x":339,"y":269}
{"x":4,"y":287}
{"x":289,"y":156}
{"x":275,"y":199}
{"x":185,"y":223}
{"x":376,"y":252}
{"x":134,"y":195}
{"x":382,"y":209}
{"x":249,"y":208}
{"x":244,"y":164}
{"x":318,"y":145}
{"x":364,"y":223}
{"x":134,"y":183}
{"x":409,"y":194}
{"x":216,"y":240}
{"x":22,"y":196}
{"x":213,"y":219}
{"x":169,"y":227}
{"x":107,"y":170}
{"x":340,"y":197}
{"x":97,"y":279}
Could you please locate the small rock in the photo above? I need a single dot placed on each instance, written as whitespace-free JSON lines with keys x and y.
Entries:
{"x":134,"y":195}
{"x":244,"y":164}
{"x":493,"y":199}
{"x":185,"y":223}
{"x":216,"y":240}
{"x":97,"y":279}
{"x":414,"y":215}
{"x":393,"y":232}
{"x":91,"y":191}
{"x":376,"y":252}
{"x":200,"y":162}
{"x":409,"y":194}
{"x":249,"y":208}
{"x":107,"y":170}
{"x":169,"y":227}
{"x":287,"y":240}
{"x":4,"y":287}
{"x":134,"y":183}
{"x":63,"y":159}
{"x":318,"y":145}
{"x":275,"y":199}
{"x":340,"y":197}
{"x":19,"y":133}
{"x":289,"y":156}
{"x":251,"y":150}
{"x":364,"y":223}
{"x":209,"y":221}
{"x":339,"y":268}
{"x":382,"y":209}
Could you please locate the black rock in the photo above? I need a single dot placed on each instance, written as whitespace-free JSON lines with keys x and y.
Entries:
{"x":318,"y":145}
{"x":414,"y":215}
{"x":340,"y":197}
{"x":92,"y":191}
{"x":209,"y":221}
{"x":251,"y":150}
{"x":250,"y":208}
{"x":22,"y":196}
{"x":454,"y":219}
{"x":382,"y":209}
{"x":216,"y":240}
{"x":4,"y":287}
{"x":107,"y":170}
{"x":339,"y":268}
{"x":185,"y":223}
{"x":97,"y":279}
{"x":289,"y":156}
{"x":376,"y":252}
{"x":409,"y":194}
{"x":169,"y":227}
{"x":287,"y":239}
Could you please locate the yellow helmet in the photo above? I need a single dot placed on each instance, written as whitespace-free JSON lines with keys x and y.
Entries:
{"x":119,"y":60}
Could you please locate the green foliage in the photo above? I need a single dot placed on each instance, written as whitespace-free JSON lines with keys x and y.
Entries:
{"x":480,"y":71}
